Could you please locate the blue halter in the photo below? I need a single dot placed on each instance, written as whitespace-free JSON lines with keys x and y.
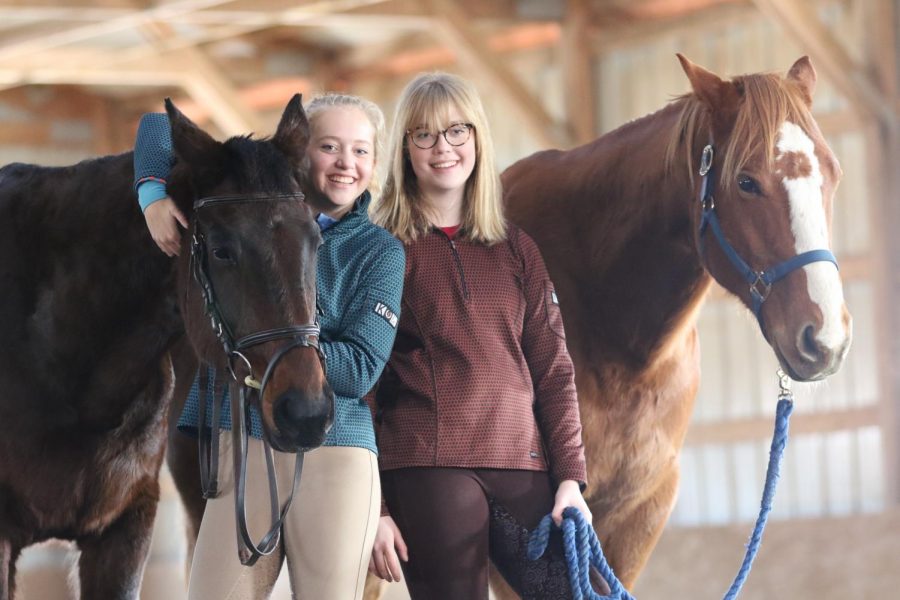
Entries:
{"x":760,"y":281}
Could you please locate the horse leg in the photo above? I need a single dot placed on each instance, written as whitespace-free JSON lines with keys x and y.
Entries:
{"x":629,"y":539}
{"x":181,"y":458}
{"x":112,"y":563}
{"x":182,"y":452}
{"x":8,"y":557}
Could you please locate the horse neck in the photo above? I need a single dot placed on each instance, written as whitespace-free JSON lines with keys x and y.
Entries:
{"x":639,"y":258}
{"x":95,"y":262}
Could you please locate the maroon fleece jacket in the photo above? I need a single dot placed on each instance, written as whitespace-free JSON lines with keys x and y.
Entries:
{"x":479,"y":376}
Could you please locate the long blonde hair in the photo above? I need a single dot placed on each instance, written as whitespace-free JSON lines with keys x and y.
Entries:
{"x":427,"y":101}
{"x":329,"y":100}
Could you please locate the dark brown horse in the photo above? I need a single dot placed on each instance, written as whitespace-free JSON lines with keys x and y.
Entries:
{"x":88,"y":312}
{"x":632,"y":252}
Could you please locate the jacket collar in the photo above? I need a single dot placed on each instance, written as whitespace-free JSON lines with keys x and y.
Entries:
{"x":357,"y":215}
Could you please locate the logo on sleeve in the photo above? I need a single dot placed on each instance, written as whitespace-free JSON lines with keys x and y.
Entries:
{"x":553,"y":297}
{"x":385,"y":313}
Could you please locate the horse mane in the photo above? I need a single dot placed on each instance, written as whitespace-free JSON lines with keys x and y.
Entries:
{"x":768,"y":100}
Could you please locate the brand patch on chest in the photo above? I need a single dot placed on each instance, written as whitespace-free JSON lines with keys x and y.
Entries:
{"x":385,"y":313}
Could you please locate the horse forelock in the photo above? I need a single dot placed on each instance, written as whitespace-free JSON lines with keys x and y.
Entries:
{"x":259,"y":166}
{"x":767,"y":101}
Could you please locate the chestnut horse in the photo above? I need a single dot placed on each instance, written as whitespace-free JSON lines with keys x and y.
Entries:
{"x":89,"y":310}
{"x":625,"y":225}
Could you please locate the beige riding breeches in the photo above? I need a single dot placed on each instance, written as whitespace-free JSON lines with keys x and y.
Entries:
{"x":327,"y":535}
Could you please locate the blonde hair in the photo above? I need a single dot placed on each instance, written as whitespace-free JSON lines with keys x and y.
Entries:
{"x":330,"y":100}
{"x":426,"y":102}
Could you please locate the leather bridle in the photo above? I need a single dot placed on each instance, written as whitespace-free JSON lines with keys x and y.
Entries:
{"x":244,"y":392}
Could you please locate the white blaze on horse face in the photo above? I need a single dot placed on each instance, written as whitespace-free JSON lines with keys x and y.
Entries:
{"x":810,"y":228}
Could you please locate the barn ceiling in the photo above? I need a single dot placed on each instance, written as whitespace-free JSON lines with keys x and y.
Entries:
{"x":230,"y":60}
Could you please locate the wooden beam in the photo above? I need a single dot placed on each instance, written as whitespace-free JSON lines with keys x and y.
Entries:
{"x":266,"y":95}
{"x":747,"y":430}
{"x":666,"y":9}
{"x":93,"y":30}
{"x":578,"y":75}
{"x":219,"y":25}
{"x":410,"y":58}
{"x":457,"y":32}
{"x":138,"y":75}
{"x":800,"y":20}
{"x":606,"y":37}
{"x":207,"y":85}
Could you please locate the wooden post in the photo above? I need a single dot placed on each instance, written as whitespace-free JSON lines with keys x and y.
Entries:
{"x":883,"y":142}
{"x":578,"y":76}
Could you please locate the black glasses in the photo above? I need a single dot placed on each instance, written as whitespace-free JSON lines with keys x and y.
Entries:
{"x":456,"y":135}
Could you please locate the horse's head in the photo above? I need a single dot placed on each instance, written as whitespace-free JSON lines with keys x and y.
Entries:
{"x":248,"y":266}
{"x":764,"y":209}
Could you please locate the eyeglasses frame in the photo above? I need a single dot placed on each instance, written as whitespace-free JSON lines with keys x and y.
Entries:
{"x":443,"y":132}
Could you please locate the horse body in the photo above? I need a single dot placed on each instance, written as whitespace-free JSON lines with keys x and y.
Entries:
{"x":619,"y":247}
{"x":89,"y":308}
{"x":618,"y":224}
{"x":84,"y":379}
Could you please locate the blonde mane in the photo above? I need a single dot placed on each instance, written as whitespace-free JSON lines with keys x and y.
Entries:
{"x":768,"y":100}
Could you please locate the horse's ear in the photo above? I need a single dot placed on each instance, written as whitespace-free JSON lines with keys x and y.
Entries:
{"x":202,"y":154}
{"x":713,"y":91}
{"x":804,"y":75}
{"x":292,"y":135}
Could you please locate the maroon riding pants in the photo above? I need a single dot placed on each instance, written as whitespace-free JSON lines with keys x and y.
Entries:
{"x":455,"y":520}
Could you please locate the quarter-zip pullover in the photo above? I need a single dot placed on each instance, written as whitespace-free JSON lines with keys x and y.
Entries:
{"x":479,"y":376}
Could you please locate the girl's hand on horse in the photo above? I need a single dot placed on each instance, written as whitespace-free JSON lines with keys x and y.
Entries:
{"x":569,"y":494}
{"x":162,"y":220}
{"x":388,"y":551}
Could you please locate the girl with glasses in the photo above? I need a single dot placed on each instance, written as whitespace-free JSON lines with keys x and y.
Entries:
{"x":476,"y":414}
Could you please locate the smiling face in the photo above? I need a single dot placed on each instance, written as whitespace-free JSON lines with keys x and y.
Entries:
{"x":443,"y":169}
{"x":342,"y":157}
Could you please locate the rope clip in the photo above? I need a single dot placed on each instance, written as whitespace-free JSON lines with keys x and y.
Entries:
{"x":784,"y":383}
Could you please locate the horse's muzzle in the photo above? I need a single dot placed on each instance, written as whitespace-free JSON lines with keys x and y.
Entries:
{"x":302,"y":420}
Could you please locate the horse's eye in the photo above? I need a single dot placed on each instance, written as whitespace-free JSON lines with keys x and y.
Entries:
{"x":222,"y":253}
{"x":749,"y":185}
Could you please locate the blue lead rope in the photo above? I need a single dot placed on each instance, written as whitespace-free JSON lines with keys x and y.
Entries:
{"x":583,"y":549}
{"x":773,"y":472}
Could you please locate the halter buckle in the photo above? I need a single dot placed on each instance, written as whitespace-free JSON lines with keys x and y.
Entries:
{"x":706,"y":160}
{"x":760,"y":288}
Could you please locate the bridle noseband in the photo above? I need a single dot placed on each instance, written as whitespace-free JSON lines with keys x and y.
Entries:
{"x":243,"y":392}
{"x":760,"y":282}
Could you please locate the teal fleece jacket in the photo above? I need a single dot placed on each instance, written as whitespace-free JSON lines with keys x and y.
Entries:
{"x":360,"y":275}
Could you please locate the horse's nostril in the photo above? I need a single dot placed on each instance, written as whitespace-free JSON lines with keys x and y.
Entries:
{"x":809,"y":346}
